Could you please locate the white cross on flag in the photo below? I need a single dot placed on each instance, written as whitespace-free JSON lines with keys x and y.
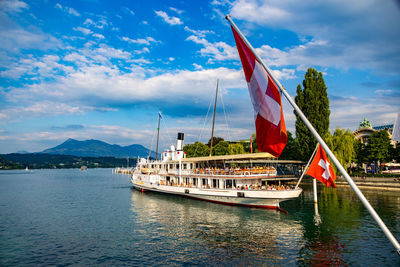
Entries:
{"x":321,"y":168}
{"x":264,"y":94}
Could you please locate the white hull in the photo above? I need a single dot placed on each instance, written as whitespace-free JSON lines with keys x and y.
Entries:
{"x":250,"y":198}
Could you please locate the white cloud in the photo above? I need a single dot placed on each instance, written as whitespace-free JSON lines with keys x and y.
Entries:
{"x":100,"y":24}
{"x":68,"y":10}
{"x":178,"y":11}
{"x":199,"y":33}
{"x":40,"y":109}
{"x":197,"y":66}
{"x":129,"y":11}
{"x":354,"y":36}
{"x":97,"y":35}
{"x":145,"y":41}
{"x":85,"y":31}
{"x":15,"y":39}
{"x":45,"y":67}
{"x":142,"y":51}
{"x":168,"y":19}
{"x":216,"y":51}
{"x":10,"y":6}
{"x":383,"y":91}
{"x":95,"y":84}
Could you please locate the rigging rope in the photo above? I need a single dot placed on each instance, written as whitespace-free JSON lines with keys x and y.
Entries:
{"x":226,"y":120}
{"x":152,"y":140}
{"x":165,"y":127}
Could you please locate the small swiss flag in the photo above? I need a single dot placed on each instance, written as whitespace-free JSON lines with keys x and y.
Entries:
{"x":321,"y":168}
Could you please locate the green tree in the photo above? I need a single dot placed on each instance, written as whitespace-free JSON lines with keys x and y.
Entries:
{"x":236,"y":149}
{"x":360,"y":152}
{"x":216,"y":140}
{"x":378,"y":146}
{"x":395,"y":153}
{"x":222,"y":148}
{"x":313,"y":100}
{"x":198,"y":149}
{"x":342,"y":145}
{"x":291,"y":150}
{"x":254,"y":142}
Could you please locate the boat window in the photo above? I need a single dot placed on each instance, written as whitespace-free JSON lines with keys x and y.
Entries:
{"x":184,"y":166}
{"x":171,"y":166}
{"x":228,"y":183}
{"x":214,"y":183}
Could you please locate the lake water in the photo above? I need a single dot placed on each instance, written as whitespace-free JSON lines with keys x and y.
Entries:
{"x":94,"y":217}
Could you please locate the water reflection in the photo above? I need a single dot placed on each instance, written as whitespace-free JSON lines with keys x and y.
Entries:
{"x":242,"y":234}
{"x":347,"y":233}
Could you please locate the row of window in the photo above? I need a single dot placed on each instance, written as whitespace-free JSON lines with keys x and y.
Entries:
{"x":174,"y":166}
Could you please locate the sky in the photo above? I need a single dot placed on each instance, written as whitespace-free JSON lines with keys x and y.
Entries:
{"x":93,"y":69}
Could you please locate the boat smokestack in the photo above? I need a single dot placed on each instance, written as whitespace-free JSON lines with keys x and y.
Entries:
{"x":179,"y":144}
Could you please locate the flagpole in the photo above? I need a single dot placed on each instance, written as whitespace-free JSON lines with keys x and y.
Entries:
{"x":158,"y":132}
{"x":306,"y":168}
{"x":212,"y":131}
{"x":360,"y":195}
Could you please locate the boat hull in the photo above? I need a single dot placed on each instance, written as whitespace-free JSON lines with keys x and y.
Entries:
{"x":248,"y":198}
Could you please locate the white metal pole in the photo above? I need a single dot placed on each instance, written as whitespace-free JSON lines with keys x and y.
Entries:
{"x":315,"y":191}
{"x":360,"y":195}
{"x":306,"y":168}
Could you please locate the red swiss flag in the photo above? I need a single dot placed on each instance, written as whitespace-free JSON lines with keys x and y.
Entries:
{"x":266,"y":99}
{"x":321,"y":168}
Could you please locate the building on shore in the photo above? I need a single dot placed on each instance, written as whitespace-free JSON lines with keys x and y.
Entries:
{"x":365,"y":130}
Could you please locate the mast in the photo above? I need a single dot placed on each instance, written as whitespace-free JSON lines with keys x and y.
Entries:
{"x":158,"y":132}
{"x":212,"y":131}
{"x":339,"y":166}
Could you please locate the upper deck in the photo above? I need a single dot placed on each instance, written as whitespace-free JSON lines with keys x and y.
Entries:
{"x":241,"y":166}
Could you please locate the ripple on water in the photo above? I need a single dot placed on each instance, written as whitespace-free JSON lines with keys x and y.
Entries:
{"x":68,"y":217}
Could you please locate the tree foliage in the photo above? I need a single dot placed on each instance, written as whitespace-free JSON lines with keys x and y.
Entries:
{"x":313,"y":100}
{"x":395,"y":153}
{"x":222,"y":148}
{"x":254,"y":142}
{"x":360,"y":152}
{"x":342,"y":145}
{"x":378,"y":147}
{"x":236,"y":149}
{"x":216,"y":140}
{"x":198,"y":149}
{"x":291,"y":150}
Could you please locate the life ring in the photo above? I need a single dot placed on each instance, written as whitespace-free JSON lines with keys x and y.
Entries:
{"x":246,"y":173}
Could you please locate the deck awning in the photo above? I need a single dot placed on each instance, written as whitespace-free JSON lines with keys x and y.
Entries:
{"x":252,"y":156}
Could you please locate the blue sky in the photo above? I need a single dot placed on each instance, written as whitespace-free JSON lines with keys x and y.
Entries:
{"x":103,"y":69}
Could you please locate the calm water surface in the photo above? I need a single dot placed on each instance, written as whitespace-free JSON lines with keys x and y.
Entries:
{"x":70,"y":217}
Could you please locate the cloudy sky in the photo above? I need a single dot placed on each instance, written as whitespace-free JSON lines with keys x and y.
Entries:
{"x":103,"y":69}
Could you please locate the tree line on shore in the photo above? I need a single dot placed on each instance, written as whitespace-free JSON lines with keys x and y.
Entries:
{"x":50,"y":161}
{"x":312,"y":98}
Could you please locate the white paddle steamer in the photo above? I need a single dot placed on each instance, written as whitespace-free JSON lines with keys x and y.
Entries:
{"x":246,"y":179}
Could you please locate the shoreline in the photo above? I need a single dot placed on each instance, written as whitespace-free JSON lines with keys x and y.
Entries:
{"x":373,"y":183}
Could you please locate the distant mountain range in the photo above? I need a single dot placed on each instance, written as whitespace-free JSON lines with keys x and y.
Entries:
{"x":96,"y":148}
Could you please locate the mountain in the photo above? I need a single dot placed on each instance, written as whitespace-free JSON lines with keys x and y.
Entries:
{"x":96,"y":148}
{"x":51,"y":161}
{"x":22,"y":152}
